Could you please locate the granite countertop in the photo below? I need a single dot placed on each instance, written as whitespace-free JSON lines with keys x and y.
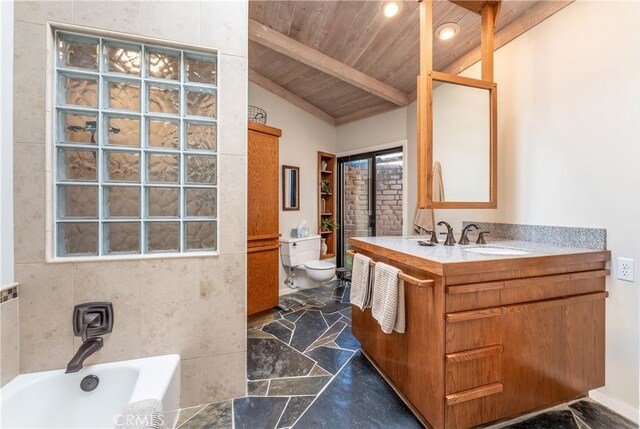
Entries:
{"x":455,"y":254}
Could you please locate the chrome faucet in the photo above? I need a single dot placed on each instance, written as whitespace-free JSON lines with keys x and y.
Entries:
{"x":450,"y":241}
{"x":464,"y":240}
{"x":89,"y":345}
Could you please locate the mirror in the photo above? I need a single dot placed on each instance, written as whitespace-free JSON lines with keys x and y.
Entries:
{"x":290,"y":187}
{"x":462,"y":170}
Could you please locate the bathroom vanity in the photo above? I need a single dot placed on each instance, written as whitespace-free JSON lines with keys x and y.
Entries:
{"x":493,"y":336}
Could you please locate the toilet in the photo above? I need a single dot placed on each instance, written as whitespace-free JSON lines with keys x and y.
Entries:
{"x":305,"y":253}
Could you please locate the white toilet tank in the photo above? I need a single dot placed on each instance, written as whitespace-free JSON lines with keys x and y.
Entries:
{"x":297,"y":251}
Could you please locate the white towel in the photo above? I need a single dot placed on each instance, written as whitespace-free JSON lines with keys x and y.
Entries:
{"x":388,"y":299}
{"x":145,"y":414}
{"x":360,"y":280}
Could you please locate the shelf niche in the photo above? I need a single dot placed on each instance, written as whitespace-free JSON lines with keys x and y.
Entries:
{"x":326,"y":173}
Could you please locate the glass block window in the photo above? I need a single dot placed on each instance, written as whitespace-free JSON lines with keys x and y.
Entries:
{"x":136,"y":162}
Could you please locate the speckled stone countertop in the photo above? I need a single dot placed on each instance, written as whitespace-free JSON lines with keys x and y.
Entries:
{"x":455,"y":254}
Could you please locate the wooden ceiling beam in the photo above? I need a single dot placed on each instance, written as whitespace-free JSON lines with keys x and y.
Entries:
{"x":477,"y":6}
{"x":289,"y":96}
{"x":278,"y":42}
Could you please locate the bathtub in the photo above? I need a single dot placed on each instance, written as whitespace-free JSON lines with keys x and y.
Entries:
{"x":53,"y":399}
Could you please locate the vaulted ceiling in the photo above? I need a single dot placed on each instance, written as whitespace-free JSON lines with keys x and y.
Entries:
{"x":344,"y":60}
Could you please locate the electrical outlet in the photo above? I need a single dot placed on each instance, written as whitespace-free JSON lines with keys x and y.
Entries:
{"x":625,"y":269}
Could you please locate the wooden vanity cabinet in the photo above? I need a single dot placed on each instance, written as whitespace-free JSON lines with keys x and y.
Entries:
{"x":494,"y":344}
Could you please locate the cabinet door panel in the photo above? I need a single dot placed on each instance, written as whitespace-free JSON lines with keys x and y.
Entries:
{"x":533,"y":358}
{"x":263,"y":190}
{"x":585,"y":331}
{"x":262,"y":280}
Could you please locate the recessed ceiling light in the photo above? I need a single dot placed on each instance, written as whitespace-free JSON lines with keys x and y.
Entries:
{"x":390,"y":9}
{"x":447,"y":31}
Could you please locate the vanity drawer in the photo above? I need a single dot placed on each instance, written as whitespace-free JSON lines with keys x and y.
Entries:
{"x":490,"y":294}
{"x":473,"y":407}
{"x":467,"y":330}
{"x":473,"y":368}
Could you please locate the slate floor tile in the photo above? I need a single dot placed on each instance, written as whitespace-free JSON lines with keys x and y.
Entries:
{"x":270,"y":358}
{"x":358,"y":397}
{"x":279,"y":331}
{"x":332,"y":318}
{"x":317,"y":370}
{"x":597,"y":416}
{"x":308,"y":328}
{"x":562,"y":419}
{"x":257,"y":333}
{"x":258,"y":413}
{"x":287,"y":323}
{"x":329,"y":358}
{"x":295,"y":408}
{"x":258,"y":388}
{"x":213,"y":416}
{"x":186,"y":413}
{"x":294,"y":316}
{"x":346,"y":340}
{"x":297,"y":386}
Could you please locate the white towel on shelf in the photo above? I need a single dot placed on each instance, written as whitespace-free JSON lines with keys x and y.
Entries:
{"x":388,"y":299}
{"x":360,"y":280}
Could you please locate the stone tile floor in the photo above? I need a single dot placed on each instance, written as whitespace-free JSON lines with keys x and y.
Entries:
{"x":305,"y":370}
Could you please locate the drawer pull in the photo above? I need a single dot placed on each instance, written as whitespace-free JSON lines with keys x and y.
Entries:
{"x":471,"y":394}
{"x":474,"y":287}
{"x":474,"y":354}
{"x":474,"y":314}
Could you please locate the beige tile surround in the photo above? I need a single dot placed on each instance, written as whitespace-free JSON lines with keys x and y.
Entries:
{"x":9,"y":341}
{"x":194,"y":306}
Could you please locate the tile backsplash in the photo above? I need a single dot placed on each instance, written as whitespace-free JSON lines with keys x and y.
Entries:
{"x":589,"y":238}
{"x":8,"y":294}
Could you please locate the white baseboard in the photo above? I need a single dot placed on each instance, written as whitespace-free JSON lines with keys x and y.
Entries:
{"x":619,"y":407}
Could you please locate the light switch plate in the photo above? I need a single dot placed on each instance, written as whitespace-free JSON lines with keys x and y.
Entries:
{"x":625,"y":269}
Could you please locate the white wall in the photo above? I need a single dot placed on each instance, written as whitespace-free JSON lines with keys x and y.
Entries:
{"x":303,"y":135}
{"x":6,"y":144}
{"x":370,"y":132}
{"x":568,"y":133}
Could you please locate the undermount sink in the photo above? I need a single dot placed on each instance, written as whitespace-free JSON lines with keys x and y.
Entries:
{"x":491,"y":250}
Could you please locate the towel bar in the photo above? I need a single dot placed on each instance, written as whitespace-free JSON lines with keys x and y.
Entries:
{"x":405,"y":277}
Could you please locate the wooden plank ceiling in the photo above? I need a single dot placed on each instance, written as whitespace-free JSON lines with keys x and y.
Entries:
{"x":344,"y":60}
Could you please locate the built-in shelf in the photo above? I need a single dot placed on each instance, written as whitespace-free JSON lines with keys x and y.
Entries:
{"x":326,"y":201}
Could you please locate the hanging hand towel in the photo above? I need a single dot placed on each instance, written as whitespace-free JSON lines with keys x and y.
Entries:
{"x":438,"y":184}
{"x":388,"y":299}
{"x":423,"y":220}
{"x":360,"y":280}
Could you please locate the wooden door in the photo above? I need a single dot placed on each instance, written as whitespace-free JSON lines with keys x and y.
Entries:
{"x":263,"y":245}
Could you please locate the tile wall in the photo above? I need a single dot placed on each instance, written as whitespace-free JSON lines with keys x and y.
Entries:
{"x":194,"y":306}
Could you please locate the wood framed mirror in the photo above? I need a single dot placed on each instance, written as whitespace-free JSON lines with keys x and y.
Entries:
{"x":290,"y":188}
{"x":457,"y":122}
{"x":463,"y":148}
